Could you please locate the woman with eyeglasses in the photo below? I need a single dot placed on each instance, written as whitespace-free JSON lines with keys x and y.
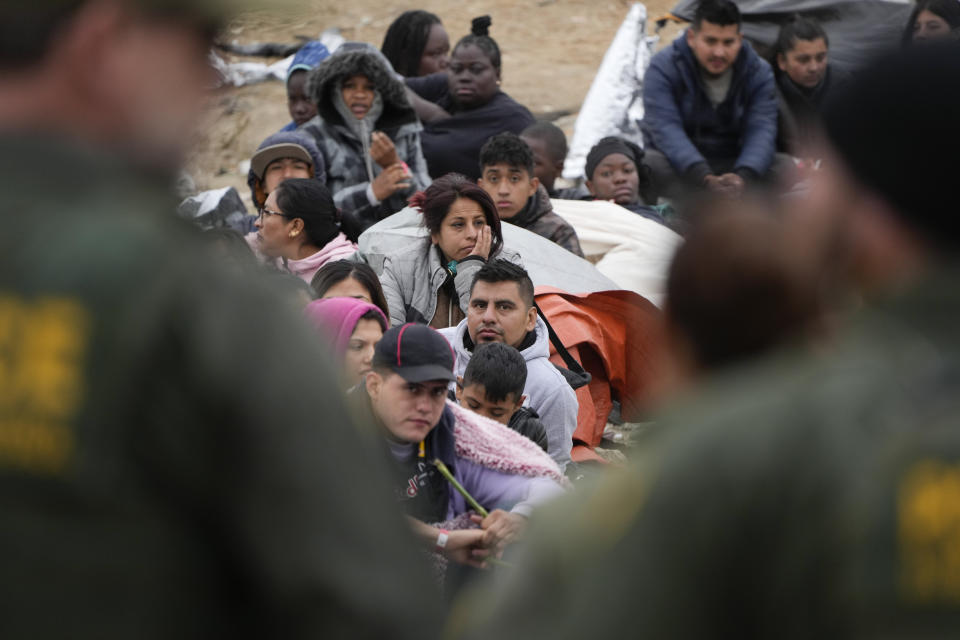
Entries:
{"x":299,"y":228}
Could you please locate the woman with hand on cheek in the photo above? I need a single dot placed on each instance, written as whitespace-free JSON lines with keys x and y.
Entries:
{"x":430,"y":283}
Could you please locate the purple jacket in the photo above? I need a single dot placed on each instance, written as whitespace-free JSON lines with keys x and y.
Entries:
{"x":496,"y":490}
{"x":497,"y":466}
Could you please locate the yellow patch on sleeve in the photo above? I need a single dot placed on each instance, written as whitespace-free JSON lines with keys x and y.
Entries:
{"x":929,"y":533}
{"x":43,"y":349}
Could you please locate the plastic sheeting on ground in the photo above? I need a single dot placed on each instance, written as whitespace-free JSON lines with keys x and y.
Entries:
{"x":614,"y":103}
{"x":857,"y":28}
{"x":238,"y":74}
{"x":216,"y":209}
{"x":630,"y":250}
{"x":611,"y":333}
{"x":547,"y":263}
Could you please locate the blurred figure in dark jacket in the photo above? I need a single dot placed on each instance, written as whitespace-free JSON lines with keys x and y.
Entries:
{"x":811,"y":495}
{"x":162,"y":474}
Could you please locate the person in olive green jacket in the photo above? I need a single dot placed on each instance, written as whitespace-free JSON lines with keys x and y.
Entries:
{"x":811,"y":495}
{"x":175,"y":459}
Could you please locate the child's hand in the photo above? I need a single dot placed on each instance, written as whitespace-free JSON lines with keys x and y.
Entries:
{"x":394,"y":178}
{"x":382,"y":150}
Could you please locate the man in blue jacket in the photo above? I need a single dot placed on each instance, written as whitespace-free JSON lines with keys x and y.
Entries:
{"x":710,"y":107}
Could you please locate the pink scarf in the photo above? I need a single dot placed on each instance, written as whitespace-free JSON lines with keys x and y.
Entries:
{"x":494,"y":446}
{"x":337,"y":249}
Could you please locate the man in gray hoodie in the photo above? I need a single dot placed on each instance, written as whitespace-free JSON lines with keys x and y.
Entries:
{"x":501,"y":310}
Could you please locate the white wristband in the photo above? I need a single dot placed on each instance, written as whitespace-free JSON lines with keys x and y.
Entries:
{"x":442,"y":540}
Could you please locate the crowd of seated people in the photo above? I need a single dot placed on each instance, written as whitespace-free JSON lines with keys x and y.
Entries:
{"x":445,"y":347}
{"x":174,"y":439}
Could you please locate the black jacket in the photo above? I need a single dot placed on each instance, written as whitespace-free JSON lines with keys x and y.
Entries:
{"x":800,"y":109}
{"x":452,"y":145}
{"x":145,"y":491}
{"x":526,"y":422}
{"x":539,"y":217}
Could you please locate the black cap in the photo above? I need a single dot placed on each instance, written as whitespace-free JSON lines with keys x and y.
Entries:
{"x":416,"y":353}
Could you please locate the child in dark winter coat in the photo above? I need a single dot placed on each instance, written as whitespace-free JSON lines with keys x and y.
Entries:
{"x":369,"y":137}
{"x":492,"y":386}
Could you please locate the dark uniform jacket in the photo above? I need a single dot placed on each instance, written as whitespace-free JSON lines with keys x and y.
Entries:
{"x":806,"y":497}
{"x":162,"y":475}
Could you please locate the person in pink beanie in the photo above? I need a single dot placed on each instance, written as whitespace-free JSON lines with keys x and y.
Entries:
{"x":355,"y":327}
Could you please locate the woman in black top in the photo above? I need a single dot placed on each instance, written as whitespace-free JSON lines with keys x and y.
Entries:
{"x":467,"y":107}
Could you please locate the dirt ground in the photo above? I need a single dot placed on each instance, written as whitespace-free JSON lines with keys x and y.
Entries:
{"x":551,"y":51}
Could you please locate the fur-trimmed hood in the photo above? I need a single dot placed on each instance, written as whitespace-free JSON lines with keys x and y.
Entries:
{"x":327,"y":77}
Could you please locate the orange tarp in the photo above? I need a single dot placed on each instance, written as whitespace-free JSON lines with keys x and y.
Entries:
{"x":611,"y":334}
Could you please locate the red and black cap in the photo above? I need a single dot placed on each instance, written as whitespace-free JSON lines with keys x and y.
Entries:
{"x":416,"y":353}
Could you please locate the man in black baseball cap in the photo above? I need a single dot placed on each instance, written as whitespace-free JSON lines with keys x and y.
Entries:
{"x":407,"y":390}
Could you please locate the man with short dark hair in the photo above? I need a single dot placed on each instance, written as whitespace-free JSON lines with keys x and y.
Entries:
{"x":501,"y":309}
{"x":506,"y":174}
{"x":146,"y":490}
{"x":805,"y":80}
{"x":710,"y":107}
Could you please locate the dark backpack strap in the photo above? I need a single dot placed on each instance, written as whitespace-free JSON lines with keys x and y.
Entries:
{"x":579,"y":376}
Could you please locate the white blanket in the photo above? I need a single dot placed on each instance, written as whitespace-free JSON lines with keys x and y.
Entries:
{"x":629,"y":249}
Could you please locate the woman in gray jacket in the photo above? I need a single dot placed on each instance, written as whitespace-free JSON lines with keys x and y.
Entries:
{"x":430,"y":283}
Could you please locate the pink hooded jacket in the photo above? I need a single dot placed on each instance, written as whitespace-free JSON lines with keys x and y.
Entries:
{"x":337,"y":318}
